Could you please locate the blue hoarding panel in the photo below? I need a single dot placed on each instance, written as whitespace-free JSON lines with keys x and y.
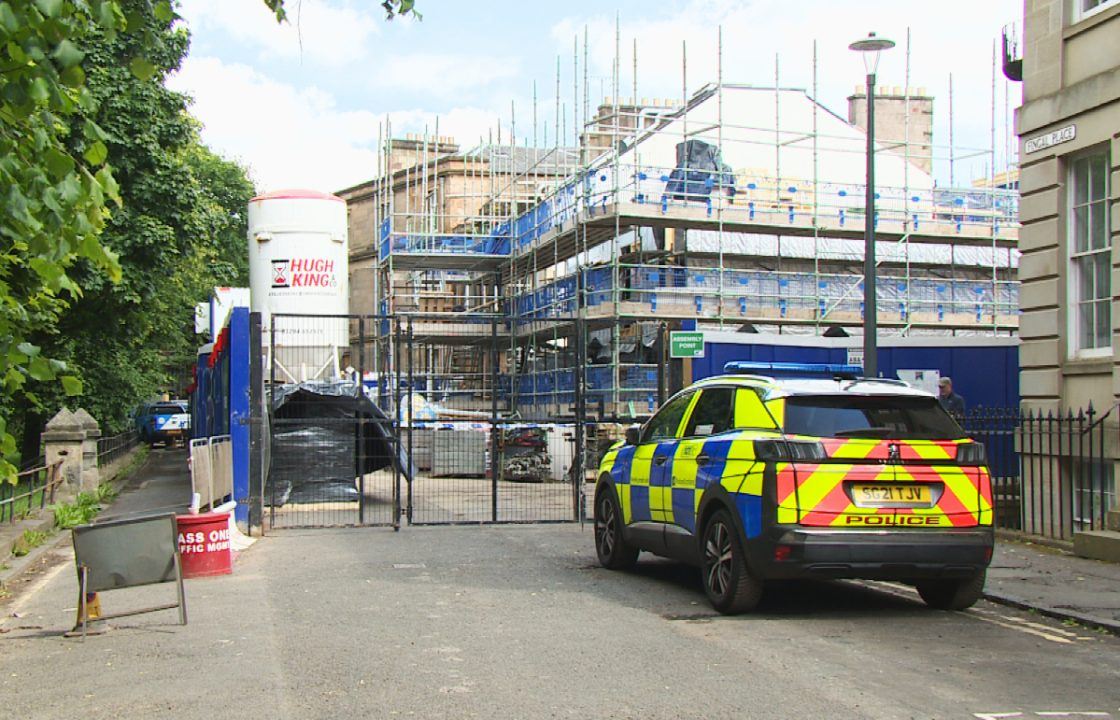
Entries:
{"x":239,"y":408}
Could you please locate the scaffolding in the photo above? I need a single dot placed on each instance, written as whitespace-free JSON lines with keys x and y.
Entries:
{"x":730,"y":207}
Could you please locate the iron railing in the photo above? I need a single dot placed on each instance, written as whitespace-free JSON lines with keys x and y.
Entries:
{"x":33,"y":490}
{"x":112,"y":447}
{"x":1052,"y":473}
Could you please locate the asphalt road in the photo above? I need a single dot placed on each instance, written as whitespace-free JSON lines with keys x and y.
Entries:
{"x":520,"y":622}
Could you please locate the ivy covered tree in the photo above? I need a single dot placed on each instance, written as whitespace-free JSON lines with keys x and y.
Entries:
{"x":54,"y":182}
{"x":179,"y":229}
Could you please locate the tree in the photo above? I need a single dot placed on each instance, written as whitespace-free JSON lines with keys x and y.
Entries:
{"x":54,"y":198}
{"x":57,"y":190}
{"x":179,"y":230}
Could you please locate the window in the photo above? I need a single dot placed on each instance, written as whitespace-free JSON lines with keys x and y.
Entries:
{"x":1086,"y":8}
{"x":1090,"y":252}
{"x":713,"y":414}
{"x":664,"y":424}
{"x":885,"y":416}
{"x":1094,"y":491}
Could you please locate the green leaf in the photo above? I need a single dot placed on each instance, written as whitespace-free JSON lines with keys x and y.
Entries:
{"x":13,"y":379}
{"x":107,"y":15}
{"x":50,"y":8}
{"x":40,"y":90}
{"x":51,"y":272}
{"x":108,"y":184}
{"x":142,"y":69}
{"x":73,"y":77}
{"x":93,"y":131}
{"x":96,"y":154}
{"x":28,"y":349}
{"x":71,"y":385}
{"x":277,"y":7}
{"x":8,"y":19}
{"x":59,"y":164}
{"x":15,"y":52}
{"x":162,"y":11}
{"x":67,"y":54}
{"x":40,"y":369}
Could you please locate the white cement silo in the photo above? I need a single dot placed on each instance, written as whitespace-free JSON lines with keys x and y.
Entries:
{"x":298,"y":265}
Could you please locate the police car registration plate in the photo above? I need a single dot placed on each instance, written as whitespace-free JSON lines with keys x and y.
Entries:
{"x":872,"y":496}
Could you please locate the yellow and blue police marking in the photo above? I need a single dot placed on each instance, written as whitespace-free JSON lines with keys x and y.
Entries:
{"x":647,"y":492}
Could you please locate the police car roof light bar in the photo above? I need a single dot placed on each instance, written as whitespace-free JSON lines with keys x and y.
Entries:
{"x":794,"y":370}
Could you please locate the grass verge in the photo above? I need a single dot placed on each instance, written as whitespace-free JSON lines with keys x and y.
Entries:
{"x":28,"y":541}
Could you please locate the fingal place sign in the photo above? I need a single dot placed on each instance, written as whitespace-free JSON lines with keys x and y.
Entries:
{"x":1059,"y":136}
{"x":686,"y":344}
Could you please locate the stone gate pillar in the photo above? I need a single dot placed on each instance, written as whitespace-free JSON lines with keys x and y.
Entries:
{"x":70,"y":438}
{"x":62,"y":443}
{"x":91,"y":476}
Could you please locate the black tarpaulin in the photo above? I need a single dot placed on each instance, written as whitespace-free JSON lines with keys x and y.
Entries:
{"x":323,"y":438}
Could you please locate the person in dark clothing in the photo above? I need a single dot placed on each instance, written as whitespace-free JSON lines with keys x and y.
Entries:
{"x":952,"y":402}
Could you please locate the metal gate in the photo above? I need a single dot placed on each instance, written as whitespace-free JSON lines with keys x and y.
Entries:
{"x":334,"y":451}
{"x":491,"y":419}
{"x":431,"y":419}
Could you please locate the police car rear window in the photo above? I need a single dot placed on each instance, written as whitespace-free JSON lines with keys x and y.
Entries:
{"x":914,"y":418}
{"x":169,"y":408}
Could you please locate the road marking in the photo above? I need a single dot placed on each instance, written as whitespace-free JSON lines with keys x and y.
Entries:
{"x":1011,"y":623}
{"x":1039,"y":626}
{"x":1023,"y":624}
{"x":1042,"y":714}
{"x":28,"y":592}
{"x":1020,"y":628}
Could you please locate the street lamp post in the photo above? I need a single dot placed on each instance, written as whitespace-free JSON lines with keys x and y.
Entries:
{"x":869,"y":48}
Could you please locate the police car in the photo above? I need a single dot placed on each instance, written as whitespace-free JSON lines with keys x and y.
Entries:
{"x":780,"y":470}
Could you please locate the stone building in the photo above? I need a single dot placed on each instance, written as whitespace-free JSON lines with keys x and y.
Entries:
{"x":1069,"y":149}
{"x":1069,"y":145}
{"x":903,"y":121}
{"x":438,"y":197}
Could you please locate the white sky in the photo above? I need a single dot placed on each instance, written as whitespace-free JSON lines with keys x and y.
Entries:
{"x":302,"y":104}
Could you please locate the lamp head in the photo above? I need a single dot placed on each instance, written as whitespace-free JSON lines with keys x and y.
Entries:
{"x":870,"y":47}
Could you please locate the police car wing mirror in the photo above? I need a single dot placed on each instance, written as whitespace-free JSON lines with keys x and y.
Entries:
{"x":633,"y":434}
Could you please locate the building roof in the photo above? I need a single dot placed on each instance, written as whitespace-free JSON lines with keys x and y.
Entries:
{"x":504,"y":159}
{"x":813,"y":140}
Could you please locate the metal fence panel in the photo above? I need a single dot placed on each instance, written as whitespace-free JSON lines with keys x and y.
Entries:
{"x":112,"y":447}
{"x":33,"y":490}
{"x":1053,"y":474}
{"x":202,"y":475}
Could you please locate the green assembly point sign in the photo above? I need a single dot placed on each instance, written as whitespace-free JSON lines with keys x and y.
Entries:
{"x":686,"y":344}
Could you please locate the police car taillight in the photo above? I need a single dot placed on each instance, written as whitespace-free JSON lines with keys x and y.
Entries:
{"x":972,"y":453}
{"x":789,"y":450}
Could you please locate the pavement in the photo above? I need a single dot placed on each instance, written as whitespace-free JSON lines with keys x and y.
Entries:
{"x":160,"y":484}
{"x":1055,"y":583}
{"x":519,"y":621}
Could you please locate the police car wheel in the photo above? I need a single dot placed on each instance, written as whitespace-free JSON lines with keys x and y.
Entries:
{"x":728,"y":582}
{"x":952,"y":594}
{"x":613,"y":550}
